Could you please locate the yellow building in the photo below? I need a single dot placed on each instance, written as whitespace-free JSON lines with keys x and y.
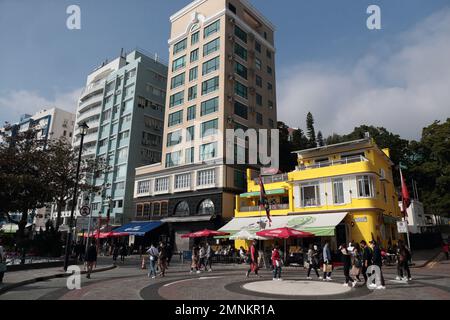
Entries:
{"x":341,"y":192}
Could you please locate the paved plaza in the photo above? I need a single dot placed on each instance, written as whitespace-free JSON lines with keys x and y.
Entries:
{"x":228,"y":282}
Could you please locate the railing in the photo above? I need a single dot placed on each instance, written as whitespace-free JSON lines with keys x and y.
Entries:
{"x":273,"y":179}
{"x":282,"y":206}
{"x":346,"y":160}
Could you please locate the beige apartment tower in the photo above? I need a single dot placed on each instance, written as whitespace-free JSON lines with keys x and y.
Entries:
{"x":221,"y":76}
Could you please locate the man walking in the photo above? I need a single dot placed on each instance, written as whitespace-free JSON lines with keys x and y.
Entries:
{"x":327,"y":263}
{"x":366,"y":259}
{"x":378,"y":261}
{"x":253,"y":260}
{"x":91,"y":259}
{"x":153,"y":257}
{"x":403,"y":256}
{"x":208,"y":257}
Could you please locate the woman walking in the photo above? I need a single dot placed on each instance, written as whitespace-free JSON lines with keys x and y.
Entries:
{"x":254,"y":255}
{"x":162,"y":260}
{"x":403,"y":256}
{"x":347,"y":261}
{"x":356,"y":259}
{"x":194,"y":262}
{"x":276,"y":262}
{"x":123,"y":252}
{"x":327,"y":263}
{"x":313,"y":261}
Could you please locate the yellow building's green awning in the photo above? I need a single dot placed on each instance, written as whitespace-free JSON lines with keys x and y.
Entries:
{"x":268,"y":192}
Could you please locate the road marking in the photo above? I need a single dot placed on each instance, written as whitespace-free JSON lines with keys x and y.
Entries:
{"x":184,"y":280}
{"x":169,"y":284}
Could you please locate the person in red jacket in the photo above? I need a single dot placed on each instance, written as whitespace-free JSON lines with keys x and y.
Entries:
{"x":276,"y":262}
{"x":445,"y":249}
{"x":253,"y":252}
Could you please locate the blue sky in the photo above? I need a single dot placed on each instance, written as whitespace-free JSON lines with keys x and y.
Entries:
{"x":42,"y":62}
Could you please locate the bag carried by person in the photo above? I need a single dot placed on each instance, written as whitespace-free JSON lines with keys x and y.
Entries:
{"x":355,"y":271}
{"x":327,"y":268}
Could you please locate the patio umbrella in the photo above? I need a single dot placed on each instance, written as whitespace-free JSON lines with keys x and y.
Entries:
{"x":284,"y":233}
{"x":104,"y":235}
{"x":246,"y":235}
{"x":204,"y":234}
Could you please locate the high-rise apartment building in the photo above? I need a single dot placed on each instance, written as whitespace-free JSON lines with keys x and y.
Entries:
{"x":221,"y":76}
{"x":123,"y":105}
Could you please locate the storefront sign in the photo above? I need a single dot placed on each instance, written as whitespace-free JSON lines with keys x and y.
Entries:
{"x":361,"y":219}
{"x":402,"y":227}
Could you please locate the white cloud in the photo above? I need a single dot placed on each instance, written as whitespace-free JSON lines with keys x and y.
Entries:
{"x":403,"y":85}
{"x":15,"y":103}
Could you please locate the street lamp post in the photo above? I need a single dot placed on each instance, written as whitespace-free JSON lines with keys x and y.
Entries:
{"x":83,"y":131}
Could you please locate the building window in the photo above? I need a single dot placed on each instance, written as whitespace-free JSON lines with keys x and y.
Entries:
{"x":211,"y":29}
{"x":258,"y":64}
{"x":240,"y":51}
{"x":271,"y":123}
{"x":259,"y":99}
{"x":162,"y":184}
{"x":147,"y":210}
{"x":270,"y":104}
{"x":177,"y":81}
{"x":195,"y":37}
{"x":241,"y":70}
{"x":240,"y":34}
{"x":206,"y":207}
{"x":175,"y":118}
{"x":139,"y":210}
{"x":183,"y":181}
{"x":240,"y":110}
{"x":194,"y":55}
{"x":189,"y":155}
{"x":338,"y":191}
{"x":192,"y":93}
{"x":269,"y":70}
{"x":365,"y":186}
{"x":193,"y":74}
{"x":269,"y":86}
{"x":211,"y":65}
{"x":176,"y":99}
{"x":156,"y":209}
{"x":143,"y":187}
{"x":240,"y":90}
{"x":206,"y":177}
{"x":178,"y":63}
{"x":259,"y":81}
{"x":180,"y":46}
{"x":209,"y":128}
{"x":209,"y":106}
{"x":190,"y":133}
{"x":211,"y":47}
{"x":164,"y":208}
{"x":259,"y":118}
{"x":210,"y":85}
{"x":269,"y":54}
{"x":191,"y":113}
{"x":208,"y":151}
{"x":174,"y":138}
{"x":182,"y":209}
{"x":173,"y":159}
{"x":310,"y":195}
{"x":239,"y":178}
{"x":232,"y":8}
{"x":258,"y":46}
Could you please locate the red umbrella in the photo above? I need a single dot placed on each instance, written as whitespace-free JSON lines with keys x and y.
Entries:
{"x":284,"y":233}
{"x":104,"y":235}
{"x":204,"y":234}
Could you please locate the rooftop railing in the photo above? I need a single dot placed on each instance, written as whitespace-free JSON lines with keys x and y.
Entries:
{"x":346,"y":160}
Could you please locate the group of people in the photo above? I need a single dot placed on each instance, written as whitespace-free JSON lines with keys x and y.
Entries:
{"x":201,"y":258}
{"x":158,"y":260}
{"x":356,"y":259}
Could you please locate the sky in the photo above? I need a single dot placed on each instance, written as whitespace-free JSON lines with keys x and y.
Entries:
{"x":328,"y":62}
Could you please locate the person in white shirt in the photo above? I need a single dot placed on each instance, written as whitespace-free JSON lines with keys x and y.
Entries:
{"x":153,"y":257}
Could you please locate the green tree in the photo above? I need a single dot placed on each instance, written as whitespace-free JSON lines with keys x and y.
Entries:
{"x":310,"y":130}
{"x":320,"y":141}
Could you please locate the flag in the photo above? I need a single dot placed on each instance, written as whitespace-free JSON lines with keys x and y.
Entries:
{"x":263,"y":202}
{"x":406,"y":200}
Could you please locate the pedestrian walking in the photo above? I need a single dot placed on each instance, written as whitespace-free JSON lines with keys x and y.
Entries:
{"x":115,"y":252}
{"x":91,"y":259}
{"x":276,"y":263}
{"x":377,"y":260}
{"x":254,"y":255}
{"x":366,"y":259}
{"x":162,"y":260}
{"x":313,"y":261}
{"x":153,"y":258}
{"x":123,"y":252}
{"x":242,"y":255}
{"x":169,"y":251}
{"x":194,"y":262}
{"x":445,"y":249}
{"x":356,"y":264}
{"x":202,"y":257}
{"x":347,"y":261}
{"x":2,"y":262}
{"x":208,"y":257}
{"x":327,"y":262}
{"x":403,"y":257}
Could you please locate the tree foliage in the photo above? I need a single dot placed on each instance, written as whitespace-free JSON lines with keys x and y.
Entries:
{"x":311,"y":131}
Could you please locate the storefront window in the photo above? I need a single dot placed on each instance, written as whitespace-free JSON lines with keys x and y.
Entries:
{"x":182,"y":209}
{"x":206,"y":207}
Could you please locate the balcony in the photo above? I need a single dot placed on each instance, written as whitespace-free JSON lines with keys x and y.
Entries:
{"x":92,"y":88}
{"x":346,"y":160}
{"x":273,"y":179}
{"x":97,"y":99}
{"x":273,"y":207}
{"x":88,"y":114}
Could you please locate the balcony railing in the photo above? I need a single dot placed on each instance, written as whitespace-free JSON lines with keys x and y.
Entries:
{"x":346,"y":160}
{"x":281,"y":206}
{"x":273,"y":179}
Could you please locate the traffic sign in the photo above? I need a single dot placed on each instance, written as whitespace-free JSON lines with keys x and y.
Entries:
{"x":402,"y":226}
{"x":85,"y":211}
